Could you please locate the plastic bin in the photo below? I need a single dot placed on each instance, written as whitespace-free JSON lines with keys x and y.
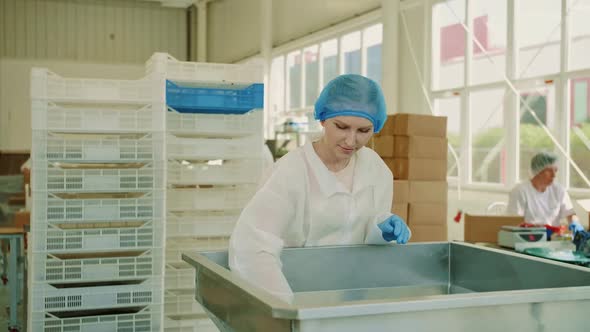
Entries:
{"x":249,"y":147}
{"x":48,"y":268}
{"x":179,"y":277}
{"x":147,"y":319}
{"x":215,"y":198}
{"x":46,"y":85}
{"x":59,"y":178}
{"x":100,"y":239}
{"x":97,"y":148}
{"x":181,"y":303}
{"x":97,"y":118}
{"x":201,"y":223}
{"x":244,"y":171}
{"x":172,"y":69}
{"x":189,"y":323}
{"x":46,"y":298}
{"x":250,"y":123}
{"x":222,"y":99}
{"x":53,"y":209}
{"x":174,"y":250}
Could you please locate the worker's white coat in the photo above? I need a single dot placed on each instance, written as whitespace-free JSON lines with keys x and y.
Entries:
{"x":302,"y":204}
{"x":540,"y":208}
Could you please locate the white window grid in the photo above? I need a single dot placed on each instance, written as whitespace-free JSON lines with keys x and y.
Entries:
{"x":511,"y":120}
{"x":284,"y":109}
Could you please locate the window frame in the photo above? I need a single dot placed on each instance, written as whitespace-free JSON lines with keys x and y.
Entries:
{"x":359,"y":24}
{"x":560,"y":80}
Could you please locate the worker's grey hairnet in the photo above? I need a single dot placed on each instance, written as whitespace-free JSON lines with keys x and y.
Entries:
{"x":352,"y":95}
{"x":541,"y":161}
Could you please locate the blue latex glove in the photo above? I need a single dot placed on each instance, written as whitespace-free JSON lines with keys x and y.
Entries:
{"x":394,"y":228}
{"x":575,"y":227}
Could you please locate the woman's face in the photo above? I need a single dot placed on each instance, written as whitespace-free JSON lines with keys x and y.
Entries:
{"x":344,"y":135}
{"x":548,"y":175}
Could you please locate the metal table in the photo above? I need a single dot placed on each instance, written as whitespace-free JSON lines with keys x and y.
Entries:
{"x":15,"y":237}
{"x":416,"y":287}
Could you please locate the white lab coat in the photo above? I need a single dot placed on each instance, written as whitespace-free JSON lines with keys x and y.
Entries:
{"x":540,"y":208}
{"x":302,"y":204}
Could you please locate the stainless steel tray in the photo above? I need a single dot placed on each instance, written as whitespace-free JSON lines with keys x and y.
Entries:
{"x":415,"y":287}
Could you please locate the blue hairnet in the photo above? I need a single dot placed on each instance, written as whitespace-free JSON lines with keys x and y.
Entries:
{"x":352,"y":95}
{"x":541,"y":161}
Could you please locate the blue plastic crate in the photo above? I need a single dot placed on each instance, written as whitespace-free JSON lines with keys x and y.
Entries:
{"x":186,"y":99}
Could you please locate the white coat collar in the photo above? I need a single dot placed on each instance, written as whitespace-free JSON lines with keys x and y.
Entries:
{"x":327,"y":180}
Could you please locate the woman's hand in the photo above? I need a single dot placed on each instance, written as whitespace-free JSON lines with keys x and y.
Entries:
{"x":394,"y":228}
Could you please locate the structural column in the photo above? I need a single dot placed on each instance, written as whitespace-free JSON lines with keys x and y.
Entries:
{"x":266,"y":54}
{"x":202,"y":30}
{"x":390,"y":55}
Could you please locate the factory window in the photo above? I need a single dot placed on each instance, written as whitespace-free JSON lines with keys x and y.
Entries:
{"x":579,"y":12}
{"x":580,"y":129}
{"x":310,"y":59}
{"x":298,"y":76}
{"x":489,"y":29}
{"x":351,"y":51}
{"x":488,"y":135}
{"x":451,"y":108}
{"x":539,"y":101}
{"x":329,"y":57}
{"x":448,"y":44}
{"x":372,"y":37}
{"x":538,"y":35}
{"x":294,"y":79}
{"x":522,"y":41}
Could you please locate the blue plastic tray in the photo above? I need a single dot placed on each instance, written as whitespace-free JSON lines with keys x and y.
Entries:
{"x":186,"y":99}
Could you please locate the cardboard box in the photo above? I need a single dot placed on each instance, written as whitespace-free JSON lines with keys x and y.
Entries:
{"x":387,"y":129}
{"x":389,"y":163}
{"x":22,"y":218}
{"x":400,"y":209}
{"x":426,"y":191}
{"x":383,"y":145}
{"x":419,"y":169}
{"x":428,"y":233}
{"x":419,"y":147}
{"x":406,"y":124}
{"x":481,"y":228}
{"x":427,"y":214}
{"x":400,"y":191}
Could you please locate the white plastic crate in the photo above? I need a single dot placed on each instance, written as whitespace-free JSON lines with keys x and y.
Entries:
{"x":49,"y":238}
{"x":181,"y":303}
{"x":97,"y":118}
{"x":50,"y":208}
{"x":203,"y":72}
{"x":179,"y":276}
{"x":46,"y":85}
{"x":249,"y":147}
{"x":48,"y":268}
{"x":148,"y":319}
{"x":59,"y":178}
{"x":201,"y":223}
{"x":228,"y":125}
{"x":189,"y":323}
{"x":97,"y":148}
{"x":243,"y":171}
{"x":215,"y":198}
{"x":46,"y":298}
{"x":175,"y":249}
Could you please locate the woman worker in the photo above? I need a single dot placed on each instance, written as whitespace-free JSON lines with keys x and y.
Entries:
{"x":333,"y":191}
{"x":541,"y":200}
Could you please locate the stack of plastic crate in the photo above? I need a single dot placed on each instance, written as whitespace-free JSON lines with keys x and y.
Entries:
{"x":96,"y":259}
{"x":214,"y":146}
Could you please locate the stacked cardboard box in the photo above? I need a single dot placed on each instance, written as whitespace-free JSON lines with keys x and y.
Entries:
{"x":414,"y":147}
